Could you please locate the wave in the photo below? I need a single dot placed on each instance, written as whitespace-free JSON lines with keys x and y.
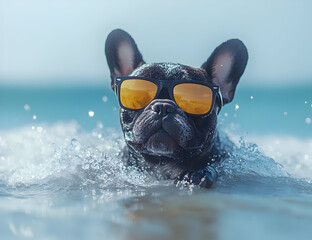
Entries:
{"x":62,"y":158}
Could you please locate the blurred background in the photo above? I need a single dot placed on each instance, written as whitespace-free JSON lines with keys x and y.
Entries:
{"x":53,"y":67}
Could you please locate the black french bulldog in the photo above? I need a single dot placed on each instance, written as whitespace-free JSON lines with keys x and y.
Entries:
{"x":162,"y":138}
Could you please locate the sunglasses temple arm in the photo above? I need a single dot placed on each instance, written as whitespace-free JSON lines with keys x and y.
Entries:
{"x":221,"y":100}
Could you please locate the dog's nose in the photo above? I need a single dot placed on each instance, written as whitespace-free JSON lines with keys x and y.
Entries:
{"x":163,"y":106}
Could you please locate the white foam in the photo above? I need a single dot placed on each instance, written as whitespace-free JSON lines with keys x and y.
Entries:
{"x":62,"y":155}
{"x":294,"y":154}
{"x":65,"y":155}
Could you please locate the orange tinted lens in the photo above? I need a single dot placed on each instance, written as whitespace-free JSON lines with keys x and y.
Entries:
{"x":137,"y":93}
{"x":193,"y":98}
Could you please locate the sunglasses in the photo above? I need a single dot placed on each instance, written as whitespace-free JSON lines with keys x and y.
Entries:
{"x":193,"y":97}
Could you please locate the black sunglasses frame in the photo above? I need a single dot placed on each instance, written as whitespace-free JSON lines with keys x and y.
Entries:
{"x":169,"y":85}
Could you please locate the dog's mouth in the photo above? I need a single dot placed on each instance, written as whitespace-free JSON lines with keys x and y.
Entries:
{"x":161,"y":143}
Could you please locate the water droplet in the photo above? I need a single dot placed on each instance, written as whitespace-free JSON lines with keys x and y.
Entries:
{"x":91,"y":113}
{"x":225,"y":114}
{"x":85,"y":166}
{"x":285,"y":113}
{"x":306,"y":157}
{"x":39,"y":129}
{"x":305,"y":102}
{"x":27,"y":107}
{"x":99,"y":125}
{"x":104,"y":99}
{"x":34,"y":117}
{"x":308,"y":120}
{"x":75,"y":144}
{"x":236,"y":107}
{"x":251,"y":97}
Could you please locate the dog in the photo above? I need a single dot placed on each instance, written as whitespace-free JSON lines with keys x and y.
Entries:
{"x":161,"y":137}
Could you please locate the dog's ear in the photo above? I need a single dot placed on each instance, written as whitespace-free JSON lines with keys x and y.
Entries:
{"x":226,"y":65}
{"x":122,"y":54}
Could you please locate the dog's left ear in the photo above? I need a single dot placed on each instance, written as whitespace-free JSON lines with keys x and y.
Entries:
{"x":226,"y":65}
{"x":122,"y":54}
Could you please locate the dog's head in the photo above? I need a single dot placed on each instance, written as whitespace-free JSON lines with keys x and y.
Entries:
{"x":162,"y":128}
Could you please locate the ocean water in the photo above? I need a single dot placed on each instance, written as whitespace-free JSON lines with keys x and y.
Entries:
{"x":61,"y":176}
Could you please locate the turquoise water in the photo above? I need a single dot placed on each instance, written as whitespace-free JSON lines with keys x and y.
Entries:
{"x":61,"y":178}
{"x":261,"y":110}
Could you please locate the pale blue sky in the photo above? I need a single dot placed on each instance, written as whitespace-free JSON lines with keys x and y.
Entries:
{"x":62,"y":42}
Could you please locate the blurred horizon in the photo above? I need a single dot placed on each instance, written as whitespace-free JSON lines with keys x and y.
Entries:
{"x":61,"y":43}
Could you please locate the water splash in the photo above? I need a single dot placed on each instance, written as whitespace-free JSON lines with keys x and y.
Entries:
{"x":246,"y":160}
{"x":62,"y":158}
{"x":292,"y":153}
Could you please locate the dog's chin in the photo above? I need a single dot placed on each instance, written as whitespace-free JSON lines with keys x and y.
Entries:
{"x":161,"y":143}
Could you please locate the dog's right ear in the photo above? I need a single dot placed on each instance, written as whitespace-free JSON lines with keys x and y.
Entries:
{"x":122,"y":54}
